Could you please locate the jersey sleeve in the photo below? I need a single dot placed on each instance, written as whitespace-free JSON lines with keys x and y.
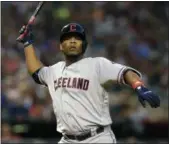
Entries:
{"x":44,"y":75}
{"x":110,"y":72}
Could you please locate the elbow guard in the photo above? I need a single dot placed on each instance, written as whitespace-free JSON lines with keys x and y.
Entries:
{"x":35,"y":77}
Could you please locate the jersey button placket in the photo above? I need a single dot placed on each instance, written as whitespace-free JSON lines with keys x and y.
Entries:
{"x":67,"y":116}
{"x":62,"y":97}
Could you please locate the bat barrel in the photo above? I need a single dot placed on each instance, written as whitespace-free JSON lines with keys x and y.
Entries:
{"x":32,"y":19}
{"x":38,"y":8}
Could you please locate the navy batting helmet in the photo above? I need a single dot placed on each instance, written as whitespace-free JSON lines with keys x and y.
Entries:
{"x":77,"y":29}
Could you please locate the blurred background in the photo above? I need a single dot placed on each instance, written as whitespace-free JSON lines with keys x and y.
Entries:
{"x":130,"y":33}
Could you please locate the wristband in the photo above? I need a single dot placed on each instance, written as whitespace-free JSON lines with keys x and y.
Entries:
{"x":28,"y":43}
{"x":137,"y":84}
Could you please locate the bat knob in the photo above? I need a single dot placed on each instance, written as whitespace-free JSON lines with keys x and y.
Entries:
{"x":19,"y":38}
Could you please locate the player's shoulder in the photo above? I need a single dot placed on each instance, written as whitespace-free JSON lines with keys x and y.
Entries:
{"x":57,"y":65}
{"x":92,"y":59}
{"x":102,"y":60}
{"x":95,"y":59}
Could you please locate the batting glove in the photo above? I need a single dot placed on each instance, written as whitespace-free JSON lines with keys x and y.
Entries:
{"x":145,"y":94}
{"x":26,"y":36}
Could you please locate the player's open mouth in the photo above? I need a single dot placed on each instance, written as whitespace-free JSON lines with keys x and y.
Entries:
{"x":72,"y":48}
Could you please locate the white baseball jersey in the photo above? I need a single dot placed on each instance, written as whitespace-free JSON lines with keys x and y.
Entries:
{"x":79,"y":100}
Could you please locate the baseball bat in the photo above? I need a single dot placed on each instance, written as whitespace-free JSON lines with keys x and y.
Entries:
{"x":32,"y":18}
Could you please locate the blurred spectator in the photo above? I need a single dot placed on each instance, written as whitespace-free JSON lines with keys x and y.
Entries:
{"x":7,"y":134}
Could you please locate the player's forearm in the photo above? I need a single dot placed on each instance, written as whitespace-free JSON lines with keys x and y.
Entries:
{"x":32,"y":61}
{"x":131,"y":78}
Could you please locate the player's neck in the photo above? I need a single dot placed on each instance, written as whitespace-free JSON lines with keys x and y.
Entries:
{"x":72,"y":59}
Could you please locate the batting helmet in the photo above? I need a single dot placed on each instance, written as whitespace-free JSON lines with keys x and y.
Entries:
{"x":77,"y":29}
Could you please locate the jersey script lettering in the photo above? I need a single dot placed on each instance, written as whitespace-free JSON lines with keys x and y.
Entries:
{"x":68,"y":82}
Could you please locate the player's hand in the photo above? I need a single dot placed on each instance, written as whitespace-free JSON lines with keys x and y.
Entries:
{"x":145,"y":94}
{"x":26,"y":35}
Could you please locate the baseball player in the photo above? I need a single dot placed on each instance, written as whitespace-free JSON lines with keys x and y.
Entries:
{"x":77,"y":86}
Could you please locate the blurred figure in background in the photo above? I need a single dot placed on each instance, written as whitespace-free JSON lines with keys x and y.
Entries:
{"x":7,"y":133}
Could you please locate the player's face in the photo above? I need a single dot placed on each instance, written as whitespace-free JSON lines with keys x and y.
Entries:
{"x":71,"y":45}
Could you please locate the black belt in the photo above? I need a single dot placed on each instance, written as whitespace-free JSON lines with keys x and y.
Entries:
{"x":85,"y":135}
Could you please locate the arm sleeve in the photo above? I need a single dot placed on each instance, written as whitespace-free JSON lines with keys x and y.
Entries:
{"x":112,"y":72}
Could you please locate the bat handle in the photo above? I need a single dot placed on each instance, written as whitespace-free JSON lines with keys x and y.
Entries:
{"x":31,"y":20}
{"x":21,"y":36}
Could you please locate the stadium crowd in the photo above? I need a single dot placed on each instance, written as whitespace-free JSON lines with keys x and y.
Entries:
{"x":130,"y":33}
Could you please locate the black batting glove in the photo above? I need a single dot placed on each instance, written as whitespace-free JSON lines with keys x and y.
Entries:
{"x":26,"y":36}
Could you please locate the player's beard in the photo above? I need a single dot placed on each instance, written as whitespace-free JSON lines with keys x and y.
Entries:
{"x":72,"y":57}
{"x":76,"y":51}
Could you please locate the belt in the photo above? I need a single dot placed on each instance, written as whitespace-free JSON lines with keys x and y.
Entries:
{"x":85,"y":135}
